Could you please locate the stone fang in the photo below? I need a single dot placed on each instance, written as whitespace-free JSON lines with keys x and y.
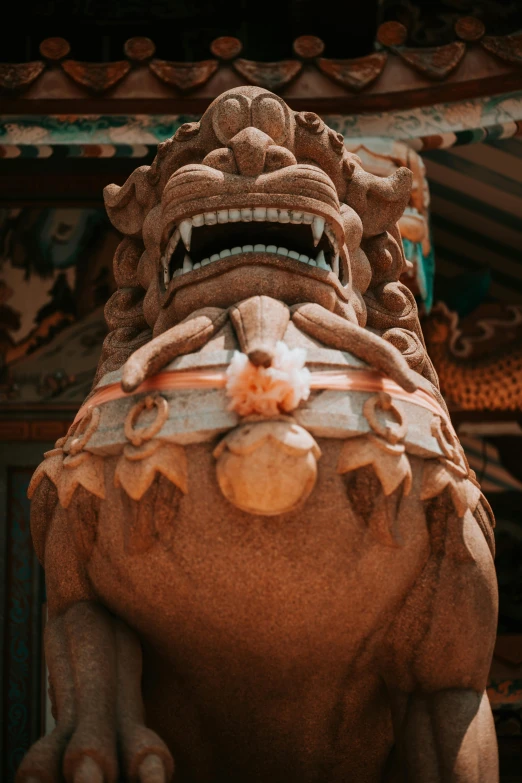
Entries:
{"x":185,"y":228}
{"x":317,"y":229}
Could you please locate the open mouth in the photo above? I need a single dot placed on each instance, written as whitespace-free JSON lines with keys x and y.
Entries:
{"x":208,"y":237}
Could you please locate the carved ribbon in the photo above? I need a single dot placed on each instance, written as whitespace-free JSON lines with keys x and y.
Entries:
{"x":340,"y":380}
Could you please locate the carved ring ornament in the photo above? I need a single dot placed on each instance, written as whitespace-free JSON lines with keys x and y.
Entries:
{"x":84,"y":431}
{"x":392,"y":432}
{"x":137,"y":437}
{"x":449,"y":444}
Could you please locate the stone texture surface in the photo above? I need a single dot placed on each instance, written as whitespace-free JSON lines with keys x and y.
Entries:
{"x":308,"y":597}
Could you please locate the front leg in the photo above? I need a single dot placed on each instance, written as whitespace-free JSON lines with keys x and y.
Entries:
{"x":94,"y":663}
{"x":437,"y":664}
{"x":446,"y":737}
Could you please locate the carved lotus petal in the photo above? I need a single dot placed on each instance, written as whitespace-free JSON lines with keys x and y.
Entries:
{"x":267,"y":467}
{"x":50,"y":467}
{"x":136,"y":473}
{"x":84,"y":469}
{"x":391,"y":468}
{"x":438,"y":475}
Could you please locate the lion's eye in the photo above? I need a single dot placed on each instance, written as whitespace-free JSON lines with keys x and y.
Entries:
{"x":230,"y":117}
{"x":269,"y":116}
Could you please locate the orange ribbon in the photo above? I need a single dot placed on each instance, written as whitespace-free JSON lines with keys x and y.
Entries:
{"x":338,"y":380}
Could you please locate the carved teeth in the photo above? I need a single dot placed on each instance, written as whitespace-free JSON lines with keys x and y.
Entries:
{"x":185,"y":229}
{"x":247,"y":215}
{"x":321,"y":261}
{"x":259,"y":215}
{"x":317,"y":229}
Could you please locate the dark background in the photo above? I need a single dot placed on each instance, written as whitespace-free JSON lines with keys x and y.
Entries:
{"x":183,"y":29}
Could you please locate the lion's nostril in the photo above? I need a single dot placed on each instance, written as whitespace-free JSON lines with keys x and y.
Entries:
{"x":279,"y":158}
{"x":223,"y":160}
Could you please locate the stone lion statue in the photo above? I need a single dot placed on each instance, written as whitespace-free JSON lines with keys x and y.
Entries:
{"x":266,"y":556}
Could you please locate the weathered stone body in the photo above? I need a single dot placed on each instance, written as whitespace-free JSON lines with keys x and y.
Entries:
{"x":266,"y":556}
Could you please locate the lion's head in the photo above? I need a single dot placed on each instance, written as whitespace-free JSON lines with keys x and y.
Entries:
{"x":254,"y":199}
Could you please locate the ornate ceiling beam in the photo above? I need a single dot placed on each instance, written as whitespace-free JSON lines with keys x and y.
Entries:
{"x":393,"y":77}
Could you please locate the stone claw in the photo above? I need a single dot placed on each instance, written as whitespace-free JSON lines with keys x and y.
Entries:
{"x":43,"y":761}
{"x":88,"y":771}
{"x":152,"y":770}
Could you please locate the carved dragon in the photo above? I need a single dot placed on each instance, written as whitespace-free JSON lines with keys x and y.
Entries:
{"x":266,"y":556}
{"x":479,"y":363}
